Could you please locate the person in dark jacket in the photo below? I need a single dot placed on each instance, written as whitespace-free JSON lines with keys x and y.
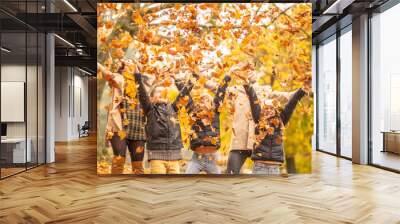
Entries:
{"x":205,"y":130}
{"x":268,"y":154}
{"x":163,"y":131}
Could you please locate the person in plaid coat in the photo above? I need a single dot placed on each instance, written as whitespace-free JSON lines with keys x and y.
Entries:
{"x":127,"y":117}
{"x":134,"y":127}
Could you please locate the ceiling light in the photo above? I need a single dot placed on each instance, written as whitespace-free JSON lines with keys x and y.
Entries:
{"x":70,"y":5}
{"x":337,"y":7}
{"x":5,"y":50}
{"x":65,"y":41}
{"x":84,"y":71}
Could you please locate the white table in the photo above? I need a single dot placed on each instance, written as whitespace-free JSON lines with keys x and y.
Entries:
{"x":18,"y":148}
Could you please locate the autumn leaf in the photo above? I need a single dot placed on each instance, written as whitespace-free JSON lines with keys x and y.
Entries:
{"x":137,"y":18}
{"x":118,"y":53}
{"x":109,"y":135}
{"x":202,"y":80}
{"x":122,"y":134}
{"x":109,"y":24}
{"x":125,"y":122}
{"x":167,"y":82}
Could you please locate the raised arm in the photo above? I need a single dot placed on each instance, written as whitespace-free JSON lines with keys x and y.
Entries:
{"x":143,"y":97}
{"x":220,"y":95}
{"x":254,"y":103}
{"x":114,"y":79}
{"x":291,"y":105}
{"x":184,"y":90}
{"x":180,"y":85}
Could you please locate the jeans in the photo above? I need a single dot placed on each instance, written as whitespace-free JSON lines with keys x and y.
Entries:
{"x":236,"y":160}
{"x":203,"y":162}
{"x":269,"y":169}
{"x":164,"y":167}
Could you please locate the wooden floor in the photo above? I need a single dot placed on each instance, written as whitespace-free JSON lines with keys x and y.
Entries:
{"x":386,"y":159}
{"x":69,"y":191}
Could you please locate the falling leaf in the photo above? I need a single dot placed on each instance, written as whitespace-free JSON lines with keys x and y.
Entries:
{"x":137,"y":18}
{"x":125,"y":122}
{"x":109,"y":135}
{"x":122,"y":134}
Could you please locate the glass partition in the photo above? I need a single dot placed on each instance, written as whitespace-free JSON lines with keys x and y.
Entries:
{"x":22,"y":88}
{"x":14,"y":151}
{"x":41,"y":97}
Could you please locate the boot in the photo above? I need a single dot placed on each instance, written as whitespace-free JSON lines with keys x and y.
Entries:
{"x":137,"y":167}
{"x":284,"y":172}
{"x":117,"y":165}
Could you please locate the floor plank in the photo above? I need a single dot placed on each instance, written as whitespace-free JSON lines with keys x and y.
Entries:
{"x":69,"y":191}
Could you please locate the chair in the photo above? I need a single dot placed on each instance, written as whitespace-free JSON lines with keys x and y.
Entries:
{"x":84,"y":130}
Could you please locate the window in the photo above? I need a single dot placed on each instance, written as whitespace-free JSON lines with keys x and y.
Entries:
{"x":346,"y":92}
{"x":385,"y":89}
{"x":22,"y":77}
{"x":327,"y":96}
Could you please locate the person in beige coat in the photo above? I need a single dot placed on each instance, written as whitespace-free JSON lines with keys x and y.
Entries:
{"x":116,"y":82}
{"x":243,"y":131}
{"x":114,"y":125}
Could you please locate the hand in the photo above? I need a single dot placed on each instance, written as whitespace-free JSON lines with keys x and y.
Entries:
{"x":196,"y":76}
{"x":206,"y":67}
{"x":127,"y":62}
{"x":211,"y":84}
{"x":242,"y":76}
{"x":108,"y":136}
{"x":307,"y":86}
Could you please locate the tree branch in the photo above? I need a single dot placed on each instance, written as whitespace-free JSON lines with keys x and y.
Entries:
{"x":294,"y":21}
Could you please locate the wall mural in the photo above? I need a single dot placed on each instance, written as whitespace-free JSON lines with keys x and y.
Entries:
{"x":208,"y":88}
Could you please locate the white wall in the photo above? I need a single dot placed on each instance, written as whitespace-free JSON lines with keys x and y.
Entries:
{"x":71,"y":94}
{"x":62,"y":81}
